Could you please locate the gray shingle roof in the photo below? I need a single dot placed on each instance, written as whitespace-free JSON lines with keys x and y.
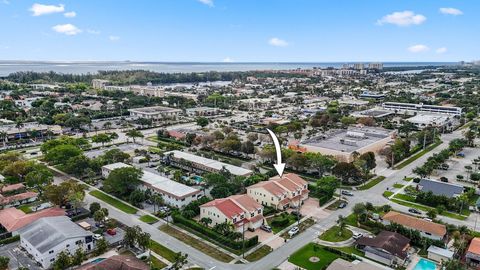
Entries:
{"x":48,"y":232}
{"x":440,"y":188}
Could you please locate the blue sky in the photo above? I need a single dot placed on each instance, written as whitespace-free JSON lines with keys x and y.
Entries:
{"x":240,"y":30}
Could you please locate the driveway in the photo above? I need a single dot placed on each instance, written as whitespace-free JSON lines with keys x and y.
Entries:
{"x":311,"y":208}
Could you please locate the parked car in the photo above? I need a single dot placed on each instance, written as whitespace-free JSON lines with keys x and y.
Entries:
{"x":347,"y":193}
{"x":293,"y":231}
{"x":266,"y":228}
{"x":357,"y":235}
{"x":443,"y":166}
{"x":461,"y":154}
{"x":112,"y":231}
{"x":342,"y":205}
{"x":97,"y":236}
{"x":99,"y":225}
{"x":444,"y":179}
{"x":414,"y":211}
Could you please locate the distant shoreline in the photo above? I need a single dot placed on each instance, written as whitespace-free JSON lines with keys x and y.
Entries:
{"x":84,"y":67}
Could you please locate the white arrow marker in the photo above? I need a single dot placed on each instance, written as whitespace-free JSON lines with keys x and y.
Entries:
{"x":279,"y":166}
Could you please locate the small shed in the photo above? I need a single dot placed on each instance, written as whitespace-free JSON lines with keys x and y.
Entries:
{"x":439,"y":254}
{"x":85,"y":225}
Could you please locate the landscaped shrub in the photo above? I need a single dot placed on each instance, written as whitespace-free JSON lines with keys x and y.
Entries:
{"x":280,"y":221}
{"x":475,"y":176}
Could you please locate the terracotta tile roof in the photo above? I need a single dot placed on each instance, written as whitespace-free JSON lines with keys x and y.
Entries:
{"x":117,"y":262}
{"x":290,"y":181}
{"x":271,"y":187}
{"x":17,"y":197}
{"x":12,"y":187}
{"x":295,"y":178}
{"x":177,"y":135}
{"x":246,"y":202}
{"x":416,"y":223}
{"x":256,"y":218}
{"x":475,"y":246}
{"x":13,"y":219}
{"x":226,"y":206}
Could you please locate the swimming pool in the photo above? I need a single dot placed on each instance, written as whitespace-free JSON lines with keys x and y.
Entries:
{"x":425,"y":264}
{"x":97,"y":260}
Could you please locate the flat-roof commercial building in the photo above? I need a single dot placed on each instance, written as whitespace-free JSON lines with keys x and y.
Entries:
{"x":423,"y":120}
{"x":374,"y":112}
{"x":45,"y":238}
{"x":410,"y":107}
{"x":200,"y":164}
{"x":29,"y":130}
{"x":148,"y":90}
{"x":174,"y":193}
{"x":341,"y":144}
{"x":439,"y":188}
{"x":371,"y":95}
{"x":201,"y":111}
{"x":155,"y":113}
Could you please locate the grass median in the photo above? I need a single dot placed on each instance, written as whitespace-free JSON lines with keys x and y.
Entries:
{"x":163,"y":251}
{"x":333,"y":234}
{"x":418,"y":155}
{"x":427,"y":208}
{"x":197,"y":244}
{"x":148,"y":219}
{"x":372,"y":183}
{"x":113,"y":202}
{"x":259,"y":253}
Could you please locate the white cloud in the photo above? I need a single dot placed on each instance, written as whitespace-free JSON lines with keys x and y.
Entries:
{"x":402,"y":18}
{"x":418,"y":48}
{"x":451,"y":11}
{"x":93,"y":32}
{"x":441,"y":50}
{"x":278,"y":42}
{"x":71,"y":14}
{"x":227,"y":60}
{"x":207,"y":2}
{"x":113,"y":38}
{"x":67,"y":29}
{"x":6,"y":2}
{"x":39,"y":9}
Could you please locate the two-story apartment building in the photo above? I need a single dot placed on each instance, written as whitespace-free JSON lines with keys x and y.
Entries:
{"x":280,"y":192}
{"x":472,"y":257}
{"x":45,"y":238}
{"x":240,"y":210}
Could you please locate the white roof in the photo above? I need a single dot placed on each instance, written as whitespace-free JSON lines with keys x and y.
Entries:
{"x":159,"y":182}
{"x":441,"y":251}
{"x":217,"y":165}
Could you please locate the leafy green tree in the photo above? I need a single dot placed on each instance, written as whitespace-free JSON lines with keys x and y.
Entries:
{"x":101,"y":138}
{"x":4,"y":262}
{"x":78,"y":257}
{"x":63,"y":261}
{"x":202,"y":121}
{"x":137,"y":197}
{"x":179,"y":261}
{"x":101,"y":247}
{"x":61,"y":153}
{"x":94,"y":207}
{"x":133,"y":133}
{"x":348,"y":172}
{"x":122,"y":181}
{"x":39,"y":178}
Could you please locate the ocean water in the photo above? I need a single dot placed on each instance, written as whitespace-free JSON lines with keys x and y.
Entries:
{"x":7,"y":67}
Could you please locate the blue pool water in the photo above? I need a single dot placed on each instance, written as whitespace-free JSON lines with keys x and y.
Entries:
{"x":98,"y":260}
{"x":424,"y":264}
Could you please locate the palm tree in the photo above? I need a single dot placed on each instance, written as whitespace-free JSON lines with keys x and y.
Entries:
{"x":341,"y":224}
{"x":157,"y":200}
{"x":206,"y":221}
{"x":3,"y":137}
{"x":133,"y":133}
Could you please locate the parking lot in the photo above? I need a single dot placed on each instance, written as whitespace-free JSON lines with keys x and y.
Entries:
{"x":18,"y":258}
{"x":311,"y":208}
{"x":111,"y":239}
{"x":457,"y":166}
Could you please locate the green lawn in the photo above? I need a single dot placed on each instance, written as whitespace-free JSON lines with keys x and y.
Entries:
{"x":408,"y":179}
{"x":426,"y":208}
{"x":418,"y":155}
{"x":404,"y":197}
{"x":113,"y":202}
{"x":351,"y":220}
{"x":351,"y":250}
{"x":372,"y":183}
{"x":199,"y":245}
{"x":398,"y":186}
{"x":333,"y":234}
{"x":259,"y":253}
{"x":334,"y":206}
{"x":163,"y":251}
{"x":157,"y":263}
{"x":387,"y":194}
{"x":148,"y":219}
{"x":291,"y":219}
{"x":25,"y":208}
{"x":302,"y":257}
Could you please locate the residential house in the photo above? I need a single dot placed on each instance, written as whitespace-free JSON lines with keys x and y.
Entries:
{"x":440,"y":188}
{"x":387,"y":247}
{"x":472,"y":257}
{"x":240,"y":210}
{"x":439,"y":254}
{"x":17,"y":199}
{"x":341,"y":264}
{"x":13,"y":219}
{"x":426,"y":228}
{"x":116,"y":262}
{"x":280,"y":192}
{"x":45,"y":238}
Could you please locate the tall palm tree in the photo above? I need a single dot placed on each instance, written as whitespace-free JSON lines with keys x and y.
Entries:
{"x":341,"y":224}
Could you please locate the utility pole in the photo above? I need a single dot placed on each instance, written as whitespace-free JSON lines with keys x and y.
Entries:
{"x":243,"y":239}
{"x":424,"y":139}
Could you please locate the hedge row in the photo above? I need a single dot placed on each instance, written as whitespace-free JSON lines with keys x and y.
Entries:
{"x":10,"y":240}
{"x":177,"y":218}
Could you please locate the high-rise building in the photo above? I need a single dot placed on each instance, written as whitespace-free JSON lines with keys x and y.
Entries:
{"x":378,"y":66}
